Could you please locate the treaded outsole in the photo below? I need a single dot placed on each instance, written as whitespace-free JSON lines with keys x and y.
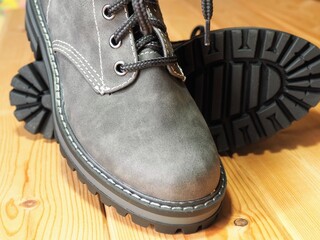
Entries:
{"x":30,"y":96}
{"x":250,"y":83}
{"x":32,"y":99}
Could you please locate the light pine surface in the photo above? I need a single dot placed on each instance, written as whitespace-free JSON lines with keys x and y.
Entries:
{"x":274,"y":185}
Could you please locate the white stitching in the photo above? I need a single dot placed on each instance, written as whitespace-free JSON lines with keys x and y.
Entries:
{"x":135,"y":58}
{"x":70,"y":46}
{"x":83,"y":63}
{"x":172,"y":68}
{"x":77,"y":62}
{"x":99,"y":42}
{"x":103,"y":87}
{"x":47,"y":14}
{"x":106,"y":89}
{"x":145,"y":53}
{"x":58,"y":99}
{"x":167,"y":51}
{"x":165,"y":41}
{"x":60,"y":47}
{"x":96,"y":86}
{"x":179,"y":74}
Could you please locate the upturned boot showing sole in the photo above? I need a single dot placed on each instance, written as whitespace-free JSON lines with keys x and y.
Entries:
{"x":250,"y":83}
{"x":107,"y":86}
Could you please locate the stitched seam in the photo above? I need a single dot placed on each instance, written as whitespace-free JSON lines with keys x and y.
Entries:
{"x":99,"y":42}
{"x":167,"y":51}
{"x":145,"y":53}
{"x":166,"y":44}
{"x":134,"y":57}
{"x":102,"y":88}
{"x":82,"y":70}
{"x":165,"y":41}
{"x":58,"y":101}
{"x":75,"y":50}
{"x":77,"y":56}
{"x":179,"y":74}
{"x":77,"y":63}
{"x":47,"y":14}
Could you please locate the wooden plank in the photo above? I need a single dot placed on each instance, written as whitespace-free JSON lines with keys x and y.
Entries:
{"x":274,"y":185}
{"x":300,"y":17}
{"x":285,"y":168}
{"x":40,"y":197}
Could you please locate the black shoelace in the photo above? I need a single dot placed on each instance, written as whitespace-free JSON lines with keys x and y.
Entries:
{"x":198,"y":30}
{"x":207,"y":12}
{"x":148,"y":40}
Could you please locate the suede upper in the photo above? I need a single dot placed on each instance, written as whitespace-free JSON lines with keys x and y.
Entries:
{"x":147,"y":132}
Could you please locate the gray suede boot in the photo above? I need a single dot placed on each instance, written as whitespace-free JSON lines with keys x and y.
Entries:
{"x":124,"y":119}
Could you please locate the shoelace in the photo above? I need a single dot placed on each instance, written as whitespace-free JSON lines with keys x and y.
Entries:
{"x":207,"y":12}
{"x":148,"y":40}
{"x":198,"y":30}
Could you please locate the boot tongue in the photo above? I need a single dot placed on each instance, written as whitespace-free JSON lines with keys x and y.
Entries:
{"x":154,"y":12}
{"x":147,"y":54}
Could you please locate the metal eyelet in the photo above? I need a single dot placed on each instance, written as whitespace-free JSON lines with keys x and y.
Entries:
{"x":113,"y":42}
{"x":117,"y":68}
{"x":105,"y":13}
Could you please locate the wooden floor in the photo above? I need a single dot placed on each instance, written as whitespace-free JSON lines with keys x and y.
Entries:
{"x":273,"y":185}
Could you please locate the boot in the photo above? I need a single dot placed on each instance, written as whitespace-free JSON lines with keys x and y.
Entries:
{"x":250,"y":83}
{"x":107,"y":86}
{"x":244,"y":98}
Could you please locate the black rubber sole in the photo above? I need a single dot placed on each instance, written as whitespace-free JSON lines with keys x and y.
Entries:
{"x":250,"y":83}
{"x":32,"y":99}
{"x":37,"y":104}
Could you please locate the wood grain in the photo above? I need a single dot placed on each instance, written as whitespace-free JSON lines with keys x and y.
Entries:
{"x":40,"y":198}
{"x":272,"y":185}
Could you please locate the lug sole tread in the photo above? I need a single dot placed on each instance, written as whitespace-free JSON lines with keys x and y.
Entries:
{"x":251,"y":83}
